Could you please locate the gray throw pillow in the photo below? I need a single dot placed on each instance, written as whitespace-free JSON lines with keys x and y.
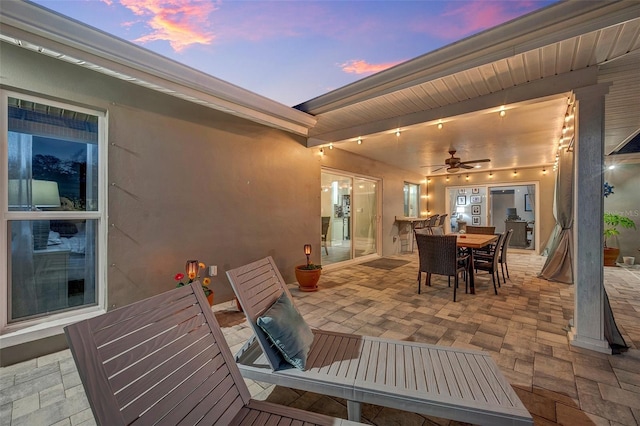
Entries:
{"x":286,"y":328}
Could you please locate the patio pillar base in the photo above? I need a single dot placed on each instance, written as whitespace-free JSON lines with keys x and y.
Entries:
{"x":576,"y":340}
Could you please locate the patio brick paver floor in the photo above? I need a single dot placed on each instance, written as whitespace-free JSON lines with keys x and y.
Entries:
{"x":523,"y":328}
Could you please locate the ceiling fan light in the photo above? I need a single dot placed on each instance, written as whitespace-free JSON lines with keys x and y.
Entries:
{"x":453,"y":169}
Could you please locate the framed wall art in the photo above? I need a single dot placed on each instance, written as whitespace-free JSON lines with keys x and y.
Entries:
{"x":475,"y":220}
{"x":475,"y":199}
{"x":461,"y":200}
{"x":475,"y":209}
{"x":475,"y":191}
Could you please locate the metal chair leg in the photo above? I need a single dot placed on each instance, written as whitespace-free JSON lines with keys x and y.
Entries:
{"x":455,"y":287}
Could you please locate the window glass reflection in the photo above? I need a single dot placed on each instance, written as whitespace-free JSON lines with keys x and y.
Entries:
{"x":57,"y":276}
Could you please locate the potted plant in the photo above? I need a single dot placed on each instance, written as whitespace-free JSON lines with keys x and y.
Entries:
{"x":612,"y":221}
{"x":192,"y":273}
{"x":308,"y":275}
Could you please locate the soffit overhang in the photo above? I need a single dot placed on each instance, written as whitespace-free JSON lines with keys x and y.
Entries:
{"x":47,"y":32}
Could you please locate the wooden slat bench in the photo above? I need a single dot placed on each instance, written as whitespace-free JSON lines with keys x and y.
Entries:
{"x":457,"y":384}
{"x":164,"y":361}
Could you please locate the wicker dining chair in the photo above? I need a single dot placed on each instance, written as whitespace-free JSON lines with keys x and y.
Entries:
{"x":490,"y":263}
{"x":487,"y":230}
{"x":502,"y":257}
{"x":438,"y":254}
{"x":441,"y":220}
{"x":437,"y":231}
{"x":431,"y":222}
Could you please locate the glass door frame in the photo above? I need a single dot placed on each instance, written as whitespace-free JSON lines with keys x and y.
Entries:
{"x":536,"y":208}
{"x":353,"y":221}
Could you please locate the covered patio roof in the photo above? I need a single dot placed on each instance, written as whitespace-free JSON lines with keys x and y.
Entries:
{"x":527,"y":66}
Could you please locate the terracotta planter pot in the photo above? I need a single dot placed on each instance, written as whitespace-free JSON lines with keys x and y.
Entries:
{"x":210,"y":299}
{"x":307,"y":279}
{"x":611,"y":255}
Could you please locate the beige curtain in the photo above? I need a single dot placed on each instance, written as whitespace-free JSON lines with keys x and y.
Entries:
{"x":559,"y":263}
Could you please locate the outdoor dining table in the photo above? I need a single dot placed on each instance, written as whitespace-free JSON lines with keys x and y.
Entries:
{"x":474,"y":241}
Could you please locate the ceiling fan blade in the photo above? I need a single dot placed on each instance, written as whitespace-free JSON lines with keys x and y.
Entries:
{"x":437,"y":170}
{"x":465,"y":166}
{"x":434,"y":165}
{"x":484,"y":160}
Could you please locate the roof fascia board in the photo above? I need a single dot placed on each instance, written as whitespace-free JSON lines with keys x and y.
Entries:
{"x":537,"y":90}
{"x":538,"y":29}
{"x":168,"y":87}
{"x":31,"y":23}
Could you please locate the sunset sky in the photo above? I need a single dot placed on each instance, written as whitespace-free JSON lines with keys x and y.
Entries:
{"x":292,"y":51}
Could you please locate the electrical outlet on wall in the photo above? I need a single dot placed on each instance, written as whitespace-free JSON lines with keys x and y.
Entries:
{"x":213,"y":270}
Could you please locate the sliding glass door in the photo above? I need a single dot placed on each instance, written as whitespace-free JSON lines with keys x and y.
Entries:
{"x":365,"y":217}
{"x":349,"y":205}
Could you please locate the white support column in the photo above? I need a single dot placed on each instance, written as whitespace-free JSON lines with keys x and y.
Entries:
{"x":588,"y":325}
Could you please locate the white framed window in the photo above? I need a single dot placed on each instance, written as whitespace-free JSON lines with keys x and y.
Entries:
{"x":53,"y":207}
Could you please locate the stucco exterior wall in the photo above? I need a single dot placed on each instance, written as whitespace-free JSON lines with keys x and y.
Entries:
{"x":185,"y":181}
{"x":189,"y":182}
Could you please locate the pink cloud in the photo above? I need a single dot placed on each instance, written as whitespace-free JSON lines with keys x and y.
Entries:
{"x":359,"y":66}
{"x":187,"y":22}
{"x":471,"y":17}
{"x":180,"y":22}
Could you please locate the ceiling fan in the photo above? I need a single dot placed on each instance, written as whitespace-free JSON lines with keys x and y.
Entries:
{"x":454,"y":164}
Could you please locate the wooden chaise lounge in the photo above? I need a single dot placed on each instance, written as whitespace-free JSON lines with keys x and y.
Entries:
{"x":457,"y":384}
{"x":164,"y":361}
